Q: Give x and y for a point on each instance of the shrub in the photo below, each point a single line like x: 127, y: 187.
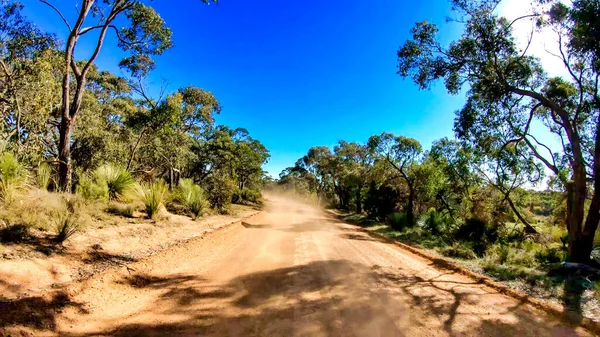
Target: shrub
x: 120, y: 210
x: 550, y: 255
x: 459, y: 250
x: 220, y: 190
x: 43, y: 174
x: 497, y: 253
x: 67, y: 221
x: 191, y: 196
x: 435, y: 222
x: 153, y: 196
x: 13, y: 177
x: 381, y: 201
x: 118, y: 181
x: 245, y: 195
x: 397, y: 221
x: 108, y: 182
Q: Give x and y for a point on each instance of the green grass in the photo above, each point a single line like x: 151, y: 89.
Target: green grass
x: 153, y: 196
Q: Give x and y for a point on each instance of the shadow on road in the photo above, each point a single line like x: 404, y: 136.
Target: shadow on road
x: 328, y: 298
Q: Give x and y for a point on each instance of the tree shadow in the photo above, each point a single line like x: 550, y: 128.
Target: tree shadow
x: 21, y: 235
x: 36, y: 312
x: 319, y: 298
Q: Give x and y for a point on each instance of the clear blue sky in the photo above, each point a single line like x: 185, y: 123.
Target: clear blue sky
x: 296, y: 74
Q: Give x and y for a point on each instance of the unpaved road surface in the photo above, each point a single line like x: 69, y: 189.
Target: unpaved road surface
x: 294, y: 272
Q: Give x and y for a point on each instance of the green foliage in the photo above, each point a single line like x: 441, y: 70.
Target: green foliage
x: 220, y: 190
x: 153, y: 196
x: 459, y: 250
x: 245, y: 195
x: 13, y: 177
x: 43, y: 175
x: 397, y: 221
x: 434, y: 222
x: 191, y: 196
x: 107, y: 182
x: 92, y: 188
x: 118, y: 181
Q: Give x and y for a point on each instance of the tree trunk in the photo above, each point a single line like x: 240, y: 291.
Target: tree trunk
x: 580, y: 245
x: 410, y: 216
x: 358, y: 201
x: 64, y: 155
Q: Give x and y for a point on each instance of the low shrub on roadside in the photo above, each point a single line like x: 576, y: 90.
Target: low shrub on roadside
x: 13, y: 177
x: 220, y: 189
x: 191, y: 197
x: 153, y: 196
x: 123, y: 210
x: 461, y: 250
x: 246, y: 195
x: 108, y: 182
x: 67, y: 221
x: 43, y: 176
x: 397, y: 221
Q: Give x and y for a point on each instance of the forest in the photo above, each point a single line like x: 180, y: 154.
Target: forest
x: 72, y: 132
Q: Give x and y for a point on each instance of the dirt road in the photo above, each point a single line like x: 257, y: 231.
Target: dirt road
x: 295, y: 272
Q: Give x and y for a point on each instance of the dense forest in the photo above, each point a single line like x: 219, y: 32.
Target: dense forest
x: 489, y: 179
x: 69, y: 127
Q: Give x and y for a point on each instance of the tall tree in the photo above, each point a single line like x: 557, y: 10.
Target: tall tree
x: 145, y: 35
x: 401, y: 153
x: 509, y: 90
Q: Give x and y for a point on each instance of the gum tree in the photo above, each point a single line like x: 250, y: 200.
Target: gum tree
x: 144, y: 34
x: 509, y: 91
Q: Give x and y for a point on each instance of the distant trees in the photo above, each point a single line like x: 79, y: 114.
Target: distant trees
x: 509, y: 91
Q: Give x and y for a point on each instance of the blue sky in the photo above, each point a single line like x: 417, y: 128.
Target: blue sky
x: 296, y: 74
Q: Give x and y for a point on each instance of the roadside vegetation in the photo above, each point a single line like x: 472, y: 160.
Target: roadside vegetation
x: 517, y: 191
x: 79, y: 143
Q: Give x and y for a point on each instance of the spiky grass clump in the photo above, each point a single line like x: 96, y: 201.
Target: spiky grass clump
x: 108, y: 182
x: 191, y: 196
x: 67, y: 221
x: 153, y: 196
x: 43, y: 175
x: 119, y: 182
x: 13, y: 177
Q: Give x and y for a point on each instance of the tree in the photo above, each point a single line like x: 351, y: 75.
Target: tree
x: 146, y: 35
x: 357, y: 162
x: 401, y: 153
x: 27, y: 83
x: 509, y: 90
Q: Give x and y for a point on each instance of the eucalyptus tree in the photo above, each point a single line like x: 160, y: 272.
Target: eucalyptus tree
x: 27, y: 82
x: 145, y: 34
x: 509, y: 90
x: 401, y: 154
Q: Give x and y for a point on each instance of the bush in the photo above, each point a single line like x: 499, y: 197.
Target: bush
x: 92, y: 188
x: 108, y: 182
x: 497, y: 253
x: 220, y: 190
x: 120, y: 210
x: 397, y: 221
x: 67, y: 221
x: 43, y: 175
x: 246, y: 196
x: 153, y: 196
x: 119, y: 182
x: 13, y: 177
x: 381, y: 201
x: 191, y: 196
x: 434, y: 222
x: 459, y: 250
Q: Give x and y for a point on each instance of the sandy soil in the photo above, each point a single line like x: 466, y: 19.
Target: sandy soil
x: 292, y: 271
x: 29, y: 269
